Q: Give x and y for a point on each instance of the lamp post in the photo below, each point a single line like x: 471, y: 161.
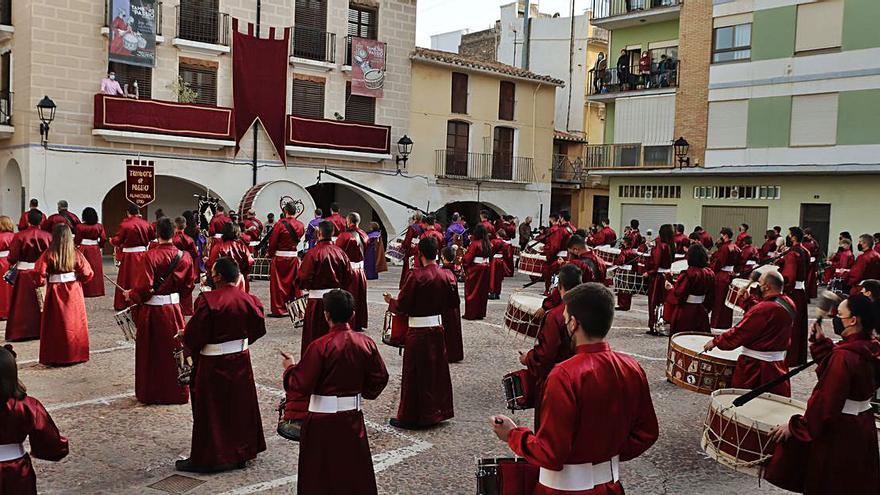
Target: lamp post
x: 680, y: 147
x: 46, y: 109
x: 404, y: 147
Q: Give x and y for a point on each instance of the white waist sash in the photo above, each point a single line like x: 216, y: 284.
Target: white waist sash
x: 218, y: 236
x: 62, y: 278
x: 25, y: 265
x: 499, y: 255
x: 254, y: 243
x: 318, y: 293
x: 164, y: 300
x: 799, y: 285
x: 331, y: 404
x: 357, y: 265
x: 812, y: 259
x: 562, y: 254
x: 479, y: 260
x: 856, y: 407
x: 751, y: 263
x: 285, y: 254
x: 424, y: 321
x: 692, y: 299
x: 136, y: 249
x: 4, y: 254
x: 728, y: 268
x: 767, y: 356
x: 11, y: 452
x: 230, y: 347
x: 578, y: 477
x: 88, y: 242
x: 664, y: 270
x: 626, y: 267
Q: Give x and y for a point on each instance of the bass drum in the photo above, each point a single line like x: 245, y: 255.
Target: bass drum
x: 270, y: 197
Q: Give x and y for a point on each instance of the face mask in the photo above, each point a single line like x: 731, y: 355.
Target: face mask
x: 788, y: 242
x: 112, y: 77
x: 838, y: 325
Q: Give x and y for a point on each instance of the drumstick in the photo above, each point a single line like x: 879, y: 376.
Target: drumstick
x: 112, y: 282
x: 748, y: 396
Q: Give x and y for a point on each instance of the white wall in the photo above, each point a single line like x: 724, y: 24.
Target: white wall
x: 10, y: 189
x: 448, y: 42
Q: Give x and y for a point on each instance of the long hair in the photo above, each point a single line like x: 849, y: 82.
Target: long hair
x: 192, y: 226
x: 480, y: 235
x: 6, y: 224
x: 10, y: 386
x: 665, y: 235
x: 62, y: 254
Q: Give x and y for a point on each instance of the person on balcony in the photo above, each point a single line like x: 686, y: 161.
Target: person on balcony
x: 623, y: 69
x: 666, y: 71
x: 645, y: 63
x: 599, y: 70
x: 110, y: 86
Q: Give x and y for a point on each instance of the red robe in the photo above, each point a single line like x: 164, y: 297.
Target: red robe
x: 283, y: 270
x: 452, y: 323
x: 556, y: 243
x: 353, y: 243
x: 134, y: 232
x: 767, y: 248
x: 227, y: 428
x: 92, y: 252
x: 832, y: 452
x: 605, y: 236
x: 155, y: 368
x: 497, y: 268
x: 766, y: 327
x: 476, y: 281
x: 342, y: 363
x: 339, y: 223
x: 706, y: 240
x: 426, y: 386
x: 867, y: 266
x: 218, y: 221
x: 635, y: 238
x: 413, y: 233
x: 691, y: 316
x: 64, y: 326
x: 627, y: 257
x: 27, y: 419
x: 656, y: 269
x: 5, y: 288
x: 552, y: 347
x: 24, y: 312
x: 23, y: 220
x: 57, y: 218
x: 843, y: 259
x: 794, y: 271
x: 682, y: 243
x: 748, y: 259
x: 238, y: 251
x: 598, y: 406
x: 727, y: 256
x: 186, y: 244
x: 812, y: 247
x: 741, y: 238
x: 253, y: 228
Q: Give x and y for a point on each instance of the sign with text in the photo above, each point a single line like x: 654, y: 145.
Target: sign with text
x: 367, y: 67
x: 140, y: 182
x: 133, y: 31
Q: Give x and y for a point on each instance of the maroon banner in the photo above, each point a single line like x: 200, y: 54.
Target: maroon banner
x: 140, y: 182
x: 339, y: 135
x: 163, y: 117
x: 259, y: 82
x: 367, y: 67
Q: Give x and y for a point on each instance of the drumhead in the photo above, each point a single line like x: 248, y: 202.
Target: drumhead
x: 766, y: 411
x: 739, y: 283
x: 767, y: 268
x: 267, y: 197
x: 609, y: 250
x: 679, y: 266
x: 533, y: 256
x: 694, y: 342
x: 529, y: 303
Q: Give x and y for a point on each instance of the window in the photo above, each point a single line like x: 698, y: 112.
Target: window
x: 459, y: 92
x: 363, y: 22
x: 737, y: 192
x: 819, y: 25
x: 5, y: 94
x: 502, y: 154
x: 310, y: 24
x: 128, y: 74
x: 359, y: 108
x: 732, y: 43
x: 814, y: 120
x: 728, y: 124
x: 308, y: 97
x: 457, y: 142
x: 649, y: 192
x: 506, y: 100
x: 201, y: 78
x: 199, y: 20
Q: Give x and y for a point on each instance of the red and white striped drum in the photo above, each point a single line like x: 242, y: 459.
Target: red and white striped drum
x: 607, y: 254
x: 394, y: 330
x: 627, y: 280
x: 270, y: 197
x: 520, y: 316
x: 739, y: 437
x: 531, y: 264
x: 691, y: 368
x: 733, y: 300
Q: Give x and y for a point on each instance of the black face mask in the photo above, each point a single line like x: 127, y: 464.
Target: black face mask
x: 838, y: 325
x: 788, y: 242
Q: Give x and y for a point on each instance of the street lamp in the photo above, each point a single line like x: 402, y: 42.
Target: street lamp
x: 680, y: 146
x: 46, y: 109
x: 404, y: 147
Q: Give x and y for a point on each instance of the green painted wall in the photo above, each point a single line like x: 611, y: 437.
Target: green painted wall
x: 609, y: 123
x: 773, y: 33
x: 769, y: 122
x: 857, y: 113
x: 641, y: 35
x: 860, y: 24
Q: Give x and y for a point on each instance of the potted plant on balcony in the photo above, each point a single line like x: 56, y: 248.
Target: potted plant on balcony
x: 185, y: 94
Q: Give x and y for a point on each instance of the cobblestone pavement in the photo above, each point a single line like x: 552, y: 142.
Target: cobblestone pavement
x: 120, y: 446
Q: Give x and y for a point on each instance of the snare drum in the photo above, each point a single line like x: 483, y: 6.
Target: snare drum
x: 608, y: 254
x: 519, y: 390
x: 678, y: 267
x: 125, y: 322
x: 531, y: 264
x: 626, y: 280
x: 535, y: 248
x: 506, y: 476
x: 520, y: 314
x: 260, y: 270
x: 296, y: 309
x: 739, y: 437
x: 838, y: 284
x: 690, y: 368
x: 733, y: 301
x: 395, y: 251
x: 394, y: 330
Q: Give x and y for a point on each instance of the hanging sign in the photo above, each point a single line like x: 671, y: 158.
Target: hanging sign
x: 140, y: 182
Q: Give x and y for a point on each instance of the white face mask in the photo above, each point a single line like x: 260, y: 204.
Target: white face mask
x: 112, y: 77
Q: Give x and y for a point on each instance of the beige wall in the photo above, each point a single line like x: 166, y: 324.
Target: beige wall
x: 430, y: 111
x: 694, y: 50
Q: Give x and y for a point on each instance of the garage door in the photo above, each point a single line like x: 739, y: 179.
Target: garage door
x: 649, y: 216
x: 716, y: 217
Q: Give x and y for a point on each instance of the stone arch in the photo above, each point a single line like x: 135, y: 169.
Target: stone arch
x: 469, y: 209
x: 11, y: 190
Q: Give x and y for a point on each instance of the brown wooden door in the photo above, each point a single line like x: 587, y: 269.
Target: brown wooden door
x: 817, y: 218
x: 457, y: 138
x: 502, y: 154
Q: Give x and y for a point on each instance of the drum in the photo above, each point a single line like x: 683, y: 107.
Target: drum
x: 739, y: 437
x: 125, y: 322
x: 260, y: 270
x: 838, y: 284
x: 531, y: 264
x: 506, y: 475
x: 184, y: 367
x: 689, y: 367
x: 394, y: 330
x: 661, y: 326
x: 733, y: 301
x: 608, y: 254
x: 272, y: 196
x: 296, y: 309
x: 678, y: 267
x: 626, y: 280
x: 535, y: 248
x: 519, y: 390
x: 395, y: 251
x: 520, y: 314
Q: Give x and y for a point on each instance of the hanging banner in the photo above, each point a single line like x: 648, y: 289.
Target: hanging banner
x: 133, y: 31
x: 367, y: 67
x: 140, y: 182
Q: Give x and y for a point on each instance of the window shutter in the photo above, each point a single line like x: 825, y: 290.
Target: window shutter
x: 507, y: 98
x: 359, y: 108
x: 308, y: 98
x: 502, y: 154
x: 459, y: 92
x: 128, y: 74
x: 362, y: 22
x: 202, y: 80
x: 311, y: 14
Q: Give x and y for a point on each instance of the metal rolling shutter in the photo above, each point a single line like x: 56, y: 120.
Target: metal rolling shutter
x: 649, y: 216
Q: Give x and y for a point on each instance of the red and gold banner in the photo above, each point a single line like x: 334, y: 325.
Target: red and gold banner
x: 140, y: 182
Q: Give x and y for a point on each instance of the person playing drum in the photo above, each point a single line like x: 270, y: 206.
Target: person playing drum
x: 659, y: 264
x: 598, y: 410
x: 724, y: 262
x: 452, y: 316
x: 692, y: 294
x: 832, y: 448
x: 626, y: 260
x: 591, y: 266
x: 764, y: 334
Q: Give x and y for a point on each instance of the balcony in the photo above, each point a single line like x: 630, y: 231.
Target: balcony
x: 201, y: 31
x: 108, y: 20
x: 6, y: 129
x: 337, y: 139
x: 6, y: 28
x: 163, y: 123
x: 494, y: 167
x: 313, y: 48
x: 622, y: 156
x: 568, y: 170
x: 611, y: 84
x: 616, y: 14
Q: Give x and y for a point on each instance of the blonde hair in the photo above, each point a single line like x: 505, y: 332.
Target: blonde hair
x: 6, y: 224
x: 62, y: 254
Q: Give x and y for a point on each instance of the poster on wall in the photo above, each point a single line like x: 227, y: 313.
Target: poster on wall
x: 367, y: 67
x: 140, y: 182
x: 133, y: 31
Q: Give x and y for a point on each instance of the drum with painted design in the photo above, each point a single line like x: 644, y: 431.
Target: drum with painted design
x: 733, y: 299
x: 394, y: 329
x: 691, y: 368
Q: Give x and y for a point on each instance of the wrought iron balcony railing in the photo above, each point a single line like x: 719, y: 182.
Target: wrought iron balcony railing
x: 634, y: 155
x: 611, y: 8
x: 203, y: 25
x: 614, y: 80
x: 500, y: 167
x: 313, y: 44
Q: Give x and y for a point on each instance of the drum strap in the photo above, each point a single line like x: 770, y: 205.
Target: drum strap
x: 160, y: 281
x: 290, y: 231
x: 788, y: 309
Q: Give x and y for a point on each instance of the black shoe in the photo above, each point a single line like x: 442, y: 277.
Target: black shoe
x: 290, y: 429
x: 404, y: 426
x: 652, y: 332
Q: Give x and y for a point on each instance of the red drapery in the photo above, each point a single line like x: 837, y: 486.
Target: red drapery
x: 339, y: 135
x: 162, y: 117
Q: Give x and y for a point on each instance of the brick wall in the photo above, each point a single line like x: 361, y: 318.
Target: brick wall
x: 694, y: 51
x: 480, y: 45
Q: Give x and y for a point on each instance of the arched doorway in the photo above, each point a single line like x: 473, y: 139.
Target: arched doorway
x: 349, y: 199
x: 11, y: 191
x: 470, y: 210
